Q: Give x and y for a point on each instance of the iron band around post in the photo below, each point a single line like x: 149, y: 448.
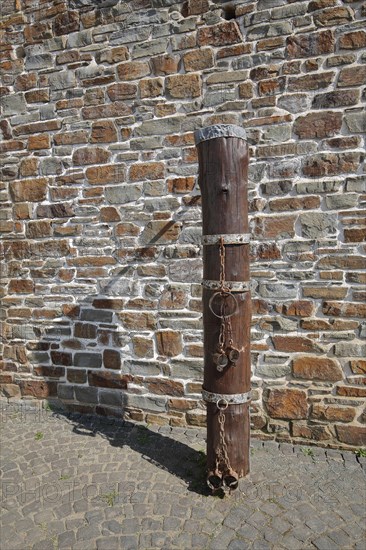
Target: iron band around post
x: 228, y: 238
x: 226, y: 399
x: 230, y: 286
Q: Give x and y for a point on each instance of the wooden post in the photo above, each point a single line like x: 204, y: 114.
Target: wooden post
x: 223, y: 179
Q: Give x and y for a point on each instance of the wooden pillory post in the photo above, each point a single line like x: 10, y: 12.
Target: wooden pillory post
x: 223, y: 179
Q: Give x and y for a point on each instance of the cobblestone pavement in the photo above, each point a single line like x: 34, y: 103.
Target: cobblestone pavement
x: 84, y: 483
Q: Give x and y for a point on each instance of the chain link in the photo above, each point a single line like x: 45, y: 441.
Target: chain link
x: 222, y: 451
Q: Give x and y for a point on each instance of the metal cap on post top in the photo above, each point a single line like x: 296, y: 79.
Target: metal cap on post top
x: 223, y: 180
x: 219, y: 131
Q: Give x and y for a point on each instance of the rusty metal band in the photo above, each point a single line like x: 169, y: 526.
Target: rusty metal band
x: 227, y: 238
x: 231, y: 286
x: 226, y: 398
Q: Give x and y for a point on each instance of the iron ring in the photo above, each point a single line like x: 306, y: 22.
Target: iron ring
x: 224, y: 294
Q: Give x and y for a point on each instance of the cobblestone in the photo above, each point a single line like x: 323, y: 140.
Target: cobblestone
x: 90, y: 483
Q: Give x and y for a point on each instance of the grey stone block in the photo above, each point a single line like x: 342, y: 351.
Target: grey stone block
x: 121, y: 194
x: 88, y: 360
x: 86, y: 395
x: 97, y: 315
x: 64, y: 391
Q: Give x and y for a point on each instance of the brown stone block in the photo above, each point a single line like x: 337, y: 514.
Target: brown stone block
x: 57, y: 210
x: 85, y: 261
x: 293, y: 343
x: 318, y: 433
x: 169, y: 343
x: 173, y: 298
x: 141, y: 303
x: 318, y: 125
x: 112, y: 359
x: 109, y: 110
x: 352, y: 76
x: 355, y: 235
x: 25, y: 82
x: 274, y: 227
x: 37, y: 127
x: 183, y: 85
x: 143, y: 347
x: 351, y: 435
x: 37, y: 96
x: 32, y: 190
x: 327, y: 293
x: 338, y: 15
x: 108, y: 379
x: 61, y: 358
x: 146, y: 171
x: 20, y: 286
x: 127, y: 229
x: 344, y: 309
x: 343, y: 262
x: 38, y: 388
x: 138, y: 320
x: 13, y: 145
x: 38, y: 229
x: 270, y: 43
x: 109, y: 214
x: 182, y: 404
x: 160, y: 232
x: 181, y: 185
x: 286, y: 403
x: 358, y: 366
x: 246, y: 90
x: 76, y: 376
x: 271, y: 87
x: 50, y: 371
x: 69, y: 138
x: 266, y: 251
x: 310, y: 44
x: 133, y: 70
x: 151, y: 87
x: 330, y: 164
x: 29, y: 167
x: 353, y: 40
x: 179, y: 140
x: 103, y: 131
x: 332, y: 413
x: 122, y: 91
x: 351, y: 391
x: 310, y: 82
x: 114, y: 55
x: 337, y: 98
x: 151, y: 270
x: 165, y: 64
x: 165, y: 386
x: 195, y: 7
x: 90, y: 155
x: 317, y: 368
x: 85, y: 330
x: 69, y: 104
x: 294, y: 203
x: 38, y: 142
x: 110, y: 173
x: 348, y: 142
x: 233, y: 51
x: 219, y: 35
x: 198, y: 60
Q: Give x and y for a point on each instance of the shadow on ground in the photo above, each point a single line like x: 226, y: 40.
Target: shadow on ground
x: 163, y: 451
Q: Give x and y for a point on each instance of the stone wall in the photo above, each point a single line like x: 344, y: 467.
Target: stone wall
x: 101, y: 212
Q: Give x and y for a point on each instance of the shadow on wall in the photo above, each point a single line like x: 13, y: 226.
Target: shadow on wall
x: 79, y: 358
